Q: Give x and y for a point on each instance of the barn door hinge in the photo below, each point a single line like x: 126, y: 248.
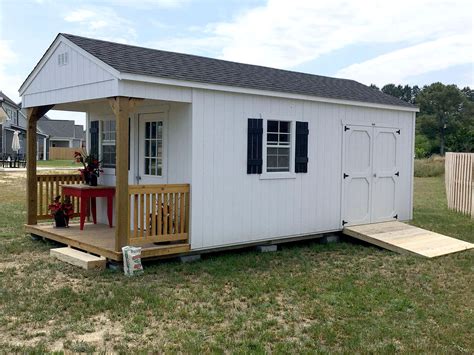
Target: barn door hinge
x: 396, y: 216
x: 397, y: 173
x: 398, y: 131
x: 346, y: 128
x: 345, y: 175
x: 344, y: 222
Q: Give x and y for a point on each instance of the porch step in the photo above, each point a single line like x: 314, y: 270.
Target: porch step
x: 79, y: 258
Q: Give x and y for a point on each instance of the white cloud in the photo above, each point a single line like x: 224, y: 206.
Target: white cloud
x: 150, y: 3
x: 9, y: 82
x: 398, y: 66
x: 101, y: 22
x: 287, y: 34
x: 80, y: 15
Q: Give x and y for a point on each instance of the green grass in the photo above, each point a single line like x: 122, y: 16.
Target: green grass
x: 58, y: 163
x: 429, y: 167
x: 308, y: 297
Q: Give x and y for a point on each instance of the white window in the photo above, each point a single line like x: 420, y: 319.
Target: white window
x: 278, y: 146
x: 108, y: 144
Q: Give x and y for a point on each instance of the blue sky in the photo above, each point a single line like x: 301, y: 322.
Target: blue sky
x: 402, y: 42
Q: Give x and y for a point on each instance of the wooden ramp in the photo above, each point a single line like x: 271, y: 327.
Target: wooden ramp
x: 403, y: 238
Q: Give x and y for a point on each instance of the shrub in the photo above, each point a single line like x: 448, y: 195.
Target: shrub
x: 432, y: 166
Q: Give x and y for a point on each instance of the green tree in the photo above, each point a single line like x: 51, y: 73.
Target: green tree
x: 405, y: 93
x: 442, y: 112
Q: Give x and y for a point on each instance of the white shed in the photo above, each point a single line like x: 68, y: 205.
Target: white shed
x: 207, y: 153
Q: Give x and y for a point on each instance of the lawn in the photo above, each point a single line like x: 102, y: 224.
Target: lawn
x: 58, y: 163
x: 343, y: 297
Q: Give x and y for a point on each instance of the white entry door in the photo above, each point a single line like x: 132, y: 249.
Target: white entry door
x: 152, y: 148
x: 370, y: 174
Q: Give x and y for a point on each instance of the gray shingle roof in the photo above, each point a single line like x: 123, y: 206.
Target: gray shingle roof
x: 4, y: 97
x: 163, y: 64
x: 57, y: 128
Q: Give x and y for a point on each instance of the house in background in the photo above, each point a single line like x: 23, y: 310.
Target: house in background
x: 62, y: 133
x: 208, y: 154
x: 13, y: 118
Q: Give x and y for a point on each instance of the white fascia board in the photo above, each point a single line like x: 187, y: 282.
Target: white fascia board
x: 61, y: 39
x: 241, y: 90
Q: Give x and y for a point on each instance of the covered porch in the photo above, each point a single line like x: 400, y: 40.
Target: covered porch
x: 99, y: 239
x: 152, y: 215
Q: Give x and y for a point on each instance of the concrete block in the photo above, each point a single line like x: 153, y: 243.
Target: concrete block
x: 115, y: 265
x: 331, y: 238
x: 190, y: 258
x: 35, y: 237
x: 266, y: 248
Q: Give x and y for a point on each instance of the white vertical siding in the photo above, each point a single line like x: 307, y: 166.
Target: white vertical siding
x: 231, y: 207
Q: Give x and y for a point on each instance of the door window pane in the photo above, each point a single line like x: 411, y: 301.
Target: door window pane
x: 153, y: 154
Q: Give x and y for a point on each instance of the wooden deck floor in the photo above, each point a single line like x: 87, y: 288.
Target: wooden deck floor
x: 99, y: 239
x: 403, y: 238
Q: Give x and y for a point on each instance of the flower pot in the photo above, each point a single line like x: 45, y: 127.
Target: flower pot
x: 93, y: 180
x: 60, y: 220
x: 87, y: 178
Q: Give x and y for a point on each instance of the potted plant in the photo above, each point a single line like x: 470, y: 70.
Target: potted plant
x: 61, y: 211
x: 91, y: 170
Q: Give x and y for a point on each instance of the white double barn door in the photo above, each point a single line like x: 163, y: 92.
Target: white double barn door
x: 370, y: 174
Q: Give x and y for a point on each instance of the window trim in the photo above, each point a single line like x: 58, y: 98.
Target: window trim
x: 268, y: 175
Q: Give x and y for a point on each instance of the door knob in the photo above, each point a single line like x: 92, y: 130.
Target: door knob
x: 375, y: 174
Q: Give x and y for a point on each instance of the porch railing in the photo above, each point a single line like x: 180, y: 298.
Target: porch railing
x: 48, y: 187
x: 159, y: 213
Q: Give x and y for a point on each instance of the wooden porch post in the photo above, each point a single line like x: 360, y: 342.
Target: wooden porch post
x: 122, y: 108
x: 33, y: 115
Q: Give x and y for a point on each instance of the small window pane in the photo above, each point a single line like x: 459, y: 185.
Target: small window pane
x: 284, y: 138
x: 153, y: 130
x: 153, y: 148
x: 147, y: 166
x: 147, y: 130
x: 272, y: 138
x: 160, y: 130
x: 284, y: 127
x: 147, y: 148
x: 272, y: 126
x: 153, y: 166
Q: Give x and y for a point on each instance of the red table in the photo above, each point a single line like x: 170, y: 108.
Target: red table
x: 86, y: 193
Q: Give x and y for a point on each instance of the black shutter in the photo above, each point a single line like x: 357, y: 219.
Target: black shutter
x: 301, y: 149
x: 254, y: 146
x: 94, y: 134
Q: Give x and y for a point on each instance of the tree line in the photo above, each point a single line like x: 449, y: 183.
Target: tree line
x: 445, y: 122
